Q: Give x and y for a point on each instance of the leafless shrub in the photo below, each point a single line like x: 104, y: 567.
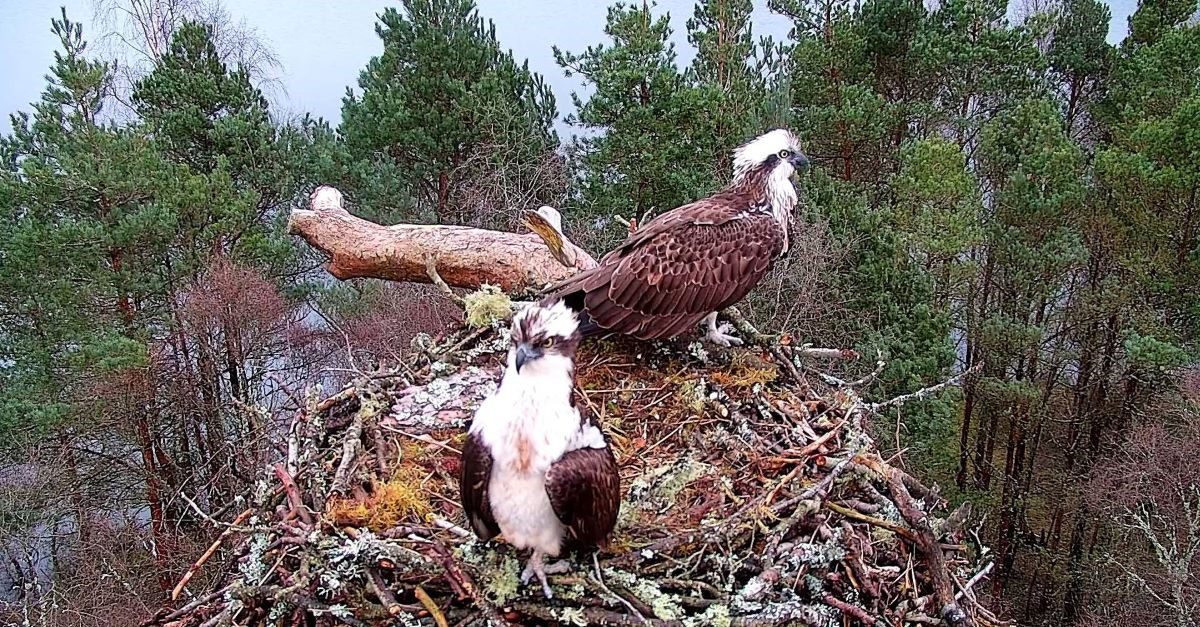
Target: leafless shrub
x: 137, y: 33
x: 796, y: 296
x: 382, y: 327
x: 1150, y: 492
x: 498, y: 181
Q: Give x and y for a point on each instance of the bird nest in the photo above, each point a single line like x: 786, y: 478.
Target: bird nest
x: 752, y: 495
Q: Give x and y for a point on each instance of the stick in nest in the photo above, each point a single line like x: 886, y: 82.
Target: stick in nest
x: 191, y: 572
x: 923, y: 392
x: 293, y: 494
x: 931, y: 552
x: 350, y: 446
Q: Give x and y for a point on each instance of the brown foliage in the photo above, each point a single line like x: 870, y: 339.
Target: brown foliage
x: 796, y: 296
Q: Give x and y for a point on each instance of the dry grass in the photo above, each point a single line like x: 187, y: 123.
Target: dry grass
x: 396, y: 501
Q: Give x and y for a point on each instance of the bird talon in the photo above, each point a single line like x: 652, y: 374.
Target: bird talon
x: 723, y: 339
x: 535, y: 567
x: 561, y: 567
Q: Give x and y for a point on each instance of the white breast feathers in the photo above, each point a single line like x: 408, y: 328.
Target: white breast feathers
x: 527, y: 426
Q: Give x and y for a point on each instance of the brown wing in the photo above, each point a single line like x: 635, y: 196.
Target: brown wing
x: 679, y: 267
x: 474, y: 480
x: 584, y: 487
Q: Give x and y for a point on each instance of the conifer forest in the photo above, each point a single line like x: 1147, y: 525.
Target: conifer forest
x: 999, y: 200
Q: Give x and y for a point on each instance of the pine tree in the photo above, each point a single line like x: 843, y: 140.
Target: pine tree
x: 730, y: 67
x: 648, y: 132
x: 92, y: 218
x: 209, y: 118
x: 442, y: 94
x: 1155, y: 18
x: 1080, y: 57
x: 980, y: 64
x: 1036, y: 172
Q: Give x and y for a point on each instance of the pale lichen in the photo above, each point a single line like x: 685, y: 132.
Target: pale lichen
x: 499, y: 575
x: 504, y: 582
x: 486, y: 306
x: 665, y: 606
x: 713, y: 616
x: 254, y: 567
x: 657, y: 489
x: 571, y: 616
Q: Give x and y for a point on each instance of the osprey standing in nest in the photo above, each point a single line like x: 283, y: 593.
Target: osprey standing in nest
x: 533, y: 467
x: 689, y: 263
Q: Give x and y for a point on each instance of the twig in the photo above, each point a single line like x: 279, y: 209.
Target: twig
x: 293, y: 494
x: 923, y: 392
x: 906, y: 533
x: 438, y: 281
x: 823, y: 486
x: 812, y: 447
x: 880, y: 366
x: 851, y: 610
x: 293, y: 441
x: 767, y: 342
x: 209, y: 553
x: 384, y: 595
x: 423, y: 437
x: 808, y: 350
x: 432, y: 607
x: 381, y: 464
x: 350, y: 445
x: 186, y: 609
x: 599, y: 580
x: 457, y: 346
x: 199, y: 512
x: 974, y: 580
x: 930, y: 550
x: 452, y: 528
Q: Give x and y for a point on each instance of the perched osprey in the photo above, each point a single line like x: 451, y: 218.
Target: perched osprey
x: 533, y: 467
x: 691, y: 262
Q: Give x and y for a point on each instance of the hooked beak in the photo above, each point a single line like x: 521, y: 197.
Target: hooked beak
x: 525, y: 354
x: 798, y: 161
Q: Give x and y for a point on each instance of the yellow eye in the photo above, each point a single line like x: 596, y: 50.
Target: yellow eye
x: 785, y: 153
x: 549, y: 342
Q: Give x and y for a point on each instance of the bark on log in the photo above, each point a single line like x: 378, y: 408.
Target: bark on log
x: 464, y: 257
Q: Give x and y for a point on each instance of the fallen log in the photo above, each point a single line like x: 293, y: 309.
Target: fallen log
x: 464, y: 257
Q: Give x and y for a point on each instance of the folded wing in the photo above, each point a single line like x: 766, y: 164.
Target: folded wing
x: 584, y: 487
x: 677, y: 268
x: 474, y: 480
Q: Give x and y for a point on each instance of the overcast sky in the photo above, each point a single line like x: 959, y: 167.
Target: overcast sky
x: 324, y: 45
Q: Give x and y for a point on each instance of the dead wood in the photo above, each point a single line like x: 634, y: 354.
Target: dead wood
x: 464, y: 257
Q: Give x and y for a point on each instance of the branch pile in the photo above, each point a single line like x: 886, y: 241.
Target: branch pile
x: 751, y: 498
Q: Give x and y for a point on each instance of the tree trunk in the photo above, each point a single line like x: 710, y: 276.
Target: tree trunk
x: 464, y: 257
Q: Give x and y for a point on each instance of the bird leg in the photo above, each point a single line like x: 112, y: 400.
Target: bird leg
x: 537, y: 567
x: 720, y: 334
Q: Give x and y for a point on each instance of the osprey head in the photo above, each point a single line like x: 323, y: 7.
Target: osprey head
x: 544, y: 338
x: 778, y: 152
x: 764, y: 167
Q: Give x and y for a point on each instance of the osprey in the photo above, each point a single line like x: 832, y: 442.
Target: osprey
x: 693, y: 261
x: 533, y: 467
